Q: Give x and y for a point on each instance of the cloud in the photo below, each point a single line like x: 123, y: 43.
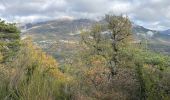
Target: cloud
x: 2, y: 7
x: 30, y: 19
x: 90, y: 6
x: 152, y: 14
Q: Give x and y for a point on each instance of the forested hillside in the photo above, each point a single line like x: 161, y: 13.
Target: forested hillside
x: 26, y: 72
x: 106, y: 64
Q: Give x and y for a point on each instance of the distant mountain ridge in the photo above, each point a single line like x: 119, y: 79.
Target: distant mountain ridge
x: 77, y: 24
x: 68, y: 31
x: 166, y: 32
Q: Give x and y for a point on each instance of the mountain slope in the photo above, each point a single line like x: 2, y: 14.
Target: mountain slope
x: 61, y: 36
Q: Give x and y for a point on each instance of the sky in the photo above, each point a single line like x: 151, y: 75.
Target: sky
x: 152, y: 14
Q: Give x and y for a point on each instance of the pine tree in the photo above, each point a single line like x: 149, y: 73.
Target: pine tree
x: 9, y: 39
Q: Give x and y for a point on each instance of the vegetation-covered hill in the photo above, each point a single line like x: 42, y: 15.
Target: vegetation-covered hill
x: 26, y: 72
x: 98, y: 65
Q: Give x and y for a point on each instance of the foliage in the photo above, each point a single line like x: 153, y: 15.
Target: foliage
x: 33, y: 76
x: 139, y: 74
x: 109, y: 43
x: 9, y: 39
x: 107, y: 66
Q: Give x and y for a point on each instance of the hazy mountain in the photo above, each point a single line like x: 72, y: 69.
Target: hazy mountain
x: 66, y: 27
x: 62, y: 35
x: 165, y: 35
x: 166, y: 32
